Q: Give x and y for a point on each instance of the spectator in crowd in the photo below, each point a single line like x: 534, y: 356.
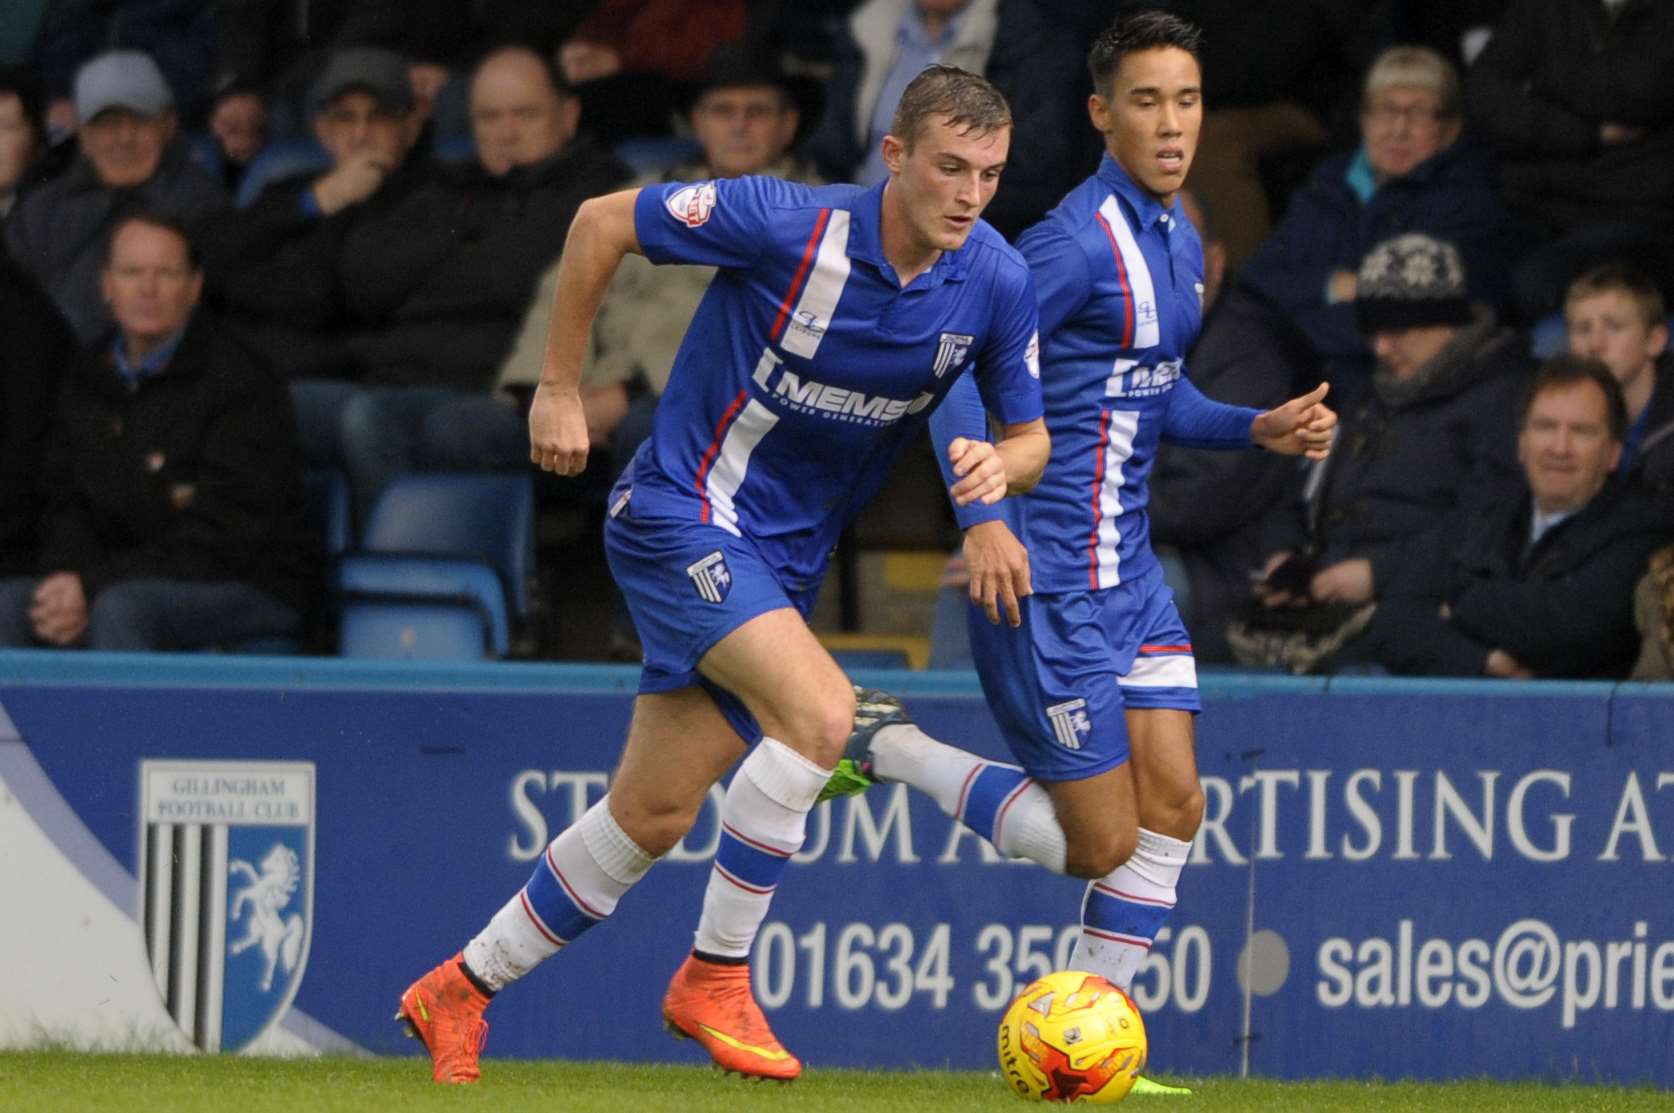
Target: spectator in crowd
x: 1538, y: 585
x: 1653, y: 617
x: 130, y: 157
x: 274, y: 269
x: 1614, y: 314
x: 630, y: 61
x: 238, y: 127
x: 445, y: 276
x: 1577, y: 98
x: 55, y: 37
x: 744, y: 120
x: 1034, y: 61
x: 175, y: 514
x: 1411, y: 173
x: 35, y: 343
x: 22, y: 137
x: 1277, y: 75
x: 1208, y: 509
x: 1433, y: 432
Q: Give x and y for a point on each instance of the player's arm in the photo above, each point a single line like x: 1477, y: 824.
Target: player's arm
x: 985, y: 472
x: 600, y: 235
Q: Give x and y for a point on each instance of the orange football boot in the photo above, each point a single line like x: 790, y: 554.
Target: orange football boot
x: 444, y: 1010
x: 712, y: 1004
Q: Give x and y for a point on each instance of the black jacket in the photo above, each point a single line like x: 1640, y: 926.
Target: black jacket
x: 1407, y: 456
x: 35, y: 344
x: 273, y: 270
x: 1564, y: 608
x: 1652, y: 466
x: 446, y: 276
x: 1554, y: 71
x: 193, y: 475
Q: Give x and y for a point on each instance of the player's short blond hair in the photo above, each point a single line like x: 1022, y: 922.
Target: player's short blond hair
x: 968, y: 101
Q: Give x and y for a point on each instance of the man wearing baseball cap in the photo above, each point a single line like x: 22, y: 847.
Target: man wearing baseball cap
x: 274, y: 267
x: 130, y: 157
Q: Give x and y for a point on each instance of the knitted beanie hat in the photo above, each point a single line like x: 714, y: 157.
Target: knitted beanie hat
x: 1411, y: 281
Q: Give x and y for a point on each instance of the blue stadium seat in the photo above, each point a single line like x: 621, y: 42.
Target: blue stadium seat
x: 280, y: 159
x: 375, y: 576
x: 461, y: 541
x: 851, y: 659
x: 417, y: 630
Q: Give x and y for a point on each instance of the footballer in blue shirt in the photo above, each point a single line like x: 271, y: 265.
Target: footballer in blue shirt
x: 838, y: 319
x: 1091, y: 677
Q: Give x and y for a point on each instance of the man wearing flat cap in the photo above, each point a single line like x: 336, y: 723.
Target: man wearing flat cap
x: 131, y: 157
x: 274, y: 268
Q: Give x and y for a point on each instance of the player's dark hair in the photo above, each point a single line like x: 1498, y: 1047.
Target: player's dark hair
x: 153, y: 220
x: 1133, y: 32
x: 1567, y: 370
x: 970, y: 103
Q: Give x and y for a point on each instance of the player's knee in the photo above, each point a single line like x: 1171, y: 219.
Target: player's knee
x: 655, y: 824
x: 1100, y: 857
x: 819, y: 729
x: 1176, y: 813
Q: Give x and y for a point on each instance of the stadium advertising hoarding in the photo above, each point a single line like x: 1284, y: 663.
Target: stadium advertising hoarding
x: 1436, y: 880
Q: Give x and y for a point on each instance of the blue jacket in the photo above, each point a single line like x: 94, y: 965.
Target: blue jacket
x: 1452, y: 197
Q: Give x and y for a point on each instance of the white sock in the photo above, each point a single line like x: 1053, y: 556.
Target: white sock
x: 576, y: 884
x: 1123, y: 911
x: 763, y: 820
x: 998, y: 802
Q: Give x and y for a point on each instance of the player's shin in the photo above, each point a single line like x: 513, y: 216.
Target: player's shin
x: 999, y: 802
x: 575, y: 884
x: 763, y: 820
x: 1123, y: 911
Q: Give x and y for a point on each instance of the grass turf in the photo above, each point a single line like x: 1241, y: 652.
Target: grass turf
x: 53, y: 1081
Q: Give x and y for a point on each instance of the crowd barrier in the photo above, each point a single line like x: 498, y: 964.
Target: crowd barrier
x: 1395, y: 879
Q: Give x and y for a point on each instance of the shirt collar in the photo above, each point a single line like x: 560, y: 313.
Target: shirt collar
x: 1359, y: 176
x: 866, y: 242
x: 1147, y: 208
x: 135, y: 373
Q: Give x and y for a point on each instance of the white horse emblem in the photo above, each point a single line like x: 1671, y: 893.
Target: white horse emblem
x: 267, y: 894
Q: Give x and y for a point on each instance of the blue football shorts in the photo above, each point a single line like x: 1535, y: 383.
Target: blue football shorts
x: 1059, y: 684
x: 688, y: 585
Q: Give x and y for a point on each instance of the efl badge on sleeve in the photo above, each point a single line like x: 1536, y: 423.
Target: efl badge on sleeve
x: 691, y: 205
x: 227, y: 891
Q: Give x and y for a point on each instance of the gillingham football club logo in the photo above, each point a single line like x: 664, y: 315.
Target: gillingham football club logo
x: 1070, y: 723
x: 711, y: 577
x: 227, y: 892
x: 951, y: 350
x: 691, y: 205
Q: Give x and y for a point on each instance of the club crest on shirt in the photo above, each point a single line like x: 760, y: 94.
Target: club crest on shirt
x: 951, y: 350
x: 1070, y: 723
x: 711, y: 577
x: 691, y: 205
x: 1146, y: 312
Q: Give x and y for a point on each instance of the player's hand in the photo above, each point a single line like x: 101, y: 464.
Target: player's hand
x: 1347, y: 581
x: 58, y: 610
x: 999, y: 569
x: 981, y: 470
x: 558, y: 438
x: 1301, y: 427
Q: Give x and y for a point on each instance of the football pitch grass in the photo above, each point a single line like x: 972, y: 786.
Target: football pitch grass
x: 55, y: 1081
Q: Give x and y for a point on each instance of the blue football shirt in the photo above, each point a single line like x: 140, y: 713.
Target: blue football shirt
x: 1119, y: 280
x: 808, y: 366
